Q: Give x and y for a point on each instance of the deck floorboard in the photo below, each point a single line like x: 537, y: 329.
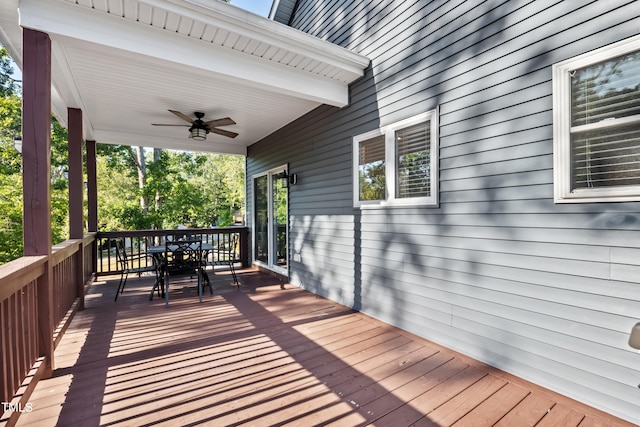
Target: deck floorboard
x: 269, y: 353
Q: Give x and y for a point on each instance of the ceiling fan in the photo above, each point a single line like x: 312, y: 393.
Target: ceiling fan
x: 199, y: 129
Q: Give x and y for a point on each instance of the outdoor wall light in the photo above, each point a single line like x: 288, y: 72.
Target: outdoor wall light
x: 287, y: 179
x: 634, y: 338
x: 17, y: 144
x: 198, y: 133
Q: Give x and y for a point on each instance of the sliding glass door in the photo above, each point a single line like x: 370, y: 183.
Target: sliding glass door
x: 271, y: 216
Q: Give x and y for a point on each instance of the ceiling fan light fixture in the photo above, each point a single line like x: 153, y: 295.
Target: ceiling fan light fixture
x: 198, y: 133
x: 199, y: 128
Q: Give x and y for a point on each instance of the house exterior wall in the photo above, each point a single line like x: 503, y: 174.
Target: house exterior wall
x: 497, y: 271
x: 284, y: 11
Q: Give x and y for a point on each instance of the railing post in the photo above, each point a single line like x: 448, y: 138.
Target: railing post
x: 79, y: 274
x: 244, y: 247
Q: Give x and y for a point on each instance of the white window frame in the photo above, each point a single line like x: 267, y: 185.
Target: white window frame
x: 563, y: 192
x: 391, y: 198
x: 356, y: 168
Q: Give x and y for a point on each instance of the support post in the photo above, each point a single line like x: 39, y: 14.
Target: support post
x: 92, y: 188
x: 36, y: 176
x: 76, y: 190
x: 76, y: 193
x: 92, y: 198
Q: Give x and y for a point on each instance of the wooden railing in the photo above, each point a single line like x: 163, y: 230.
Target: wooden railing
x: 37, y: 295
x: 137, y: 242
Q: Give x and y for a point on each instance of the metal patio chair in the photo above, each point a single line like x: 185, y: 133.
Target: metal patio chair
x: 225, y: 254
x: 182, y: 258
x: 132, y: 264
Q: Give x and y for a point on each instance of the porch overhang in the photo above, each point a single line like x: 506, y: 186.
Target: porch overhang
x: 125, y: 63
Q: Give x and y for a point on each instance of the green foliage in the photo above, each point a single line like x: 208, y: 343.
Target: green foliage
x: 10, y: 116
x: 118, y: 158
x: 8, y: 86
x: 280, y: 201
x: 183, y: 189
x: 11, y: 246
x: 10, y: 123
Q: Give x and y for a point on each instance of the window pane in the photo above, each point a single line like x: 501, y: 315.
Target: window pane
x: 607, y: 90
x: 371, y: 169
x: 606, y: 157
x: 413, y: 160
x: 261, y: 201
x: 279, y: 218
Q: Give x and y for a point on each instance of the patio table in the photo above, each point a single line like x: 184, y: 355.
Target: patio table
x: 158, y: 252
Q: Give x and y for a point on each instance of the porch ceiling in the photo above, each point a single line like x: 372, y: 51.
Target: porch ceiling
x: 126, y: 62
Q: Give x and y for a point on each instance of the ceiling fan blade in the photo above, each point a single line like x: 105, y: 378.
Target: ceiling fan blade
x: 163, y: 124
x: 220, y: 122
x: 224, y: 132
x: 182, y: 116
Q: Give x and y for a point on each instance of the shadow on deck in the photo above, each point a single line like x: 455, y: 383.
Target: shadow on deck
x: 268, y: 353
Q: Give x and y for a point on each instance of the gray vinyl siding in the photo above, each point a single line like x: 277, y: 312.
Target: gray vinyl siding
x: 284, y: 12
x: 498, y: 271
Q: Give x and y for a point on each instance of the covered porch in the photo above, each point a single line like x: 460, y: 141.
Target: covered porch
x: 269, y: 353
x: 265, y: 354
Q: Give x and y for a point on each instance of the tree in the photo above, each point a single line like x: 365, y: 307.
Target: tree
x: 11, y: 245
x: 8, y: 85
x: 10, y: 116
x: 189, y: 189
x: 118, y: 193
x: 223, y: 184
x: 10, y: 124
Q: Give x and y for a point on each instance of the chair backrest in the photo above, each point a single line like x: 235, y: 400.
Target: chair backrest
x: 121, y: 254
x: 183, y: 255
x: 226, y: 248
x: 233, y: 244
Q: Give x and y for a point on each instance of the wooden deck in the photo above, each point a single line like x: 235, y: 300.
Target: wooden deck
x: 271, y: 354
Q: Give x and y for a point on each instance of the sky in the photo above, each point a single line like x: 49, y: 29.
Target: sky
x: 259, y: 7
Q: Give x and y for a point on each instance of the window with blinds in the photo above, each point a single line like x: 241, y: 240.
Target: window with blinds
x: 413, y: 161
x: 397, y: 165
x: 371, y: 169
x: 605, y: 123
x: 596, y: 125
